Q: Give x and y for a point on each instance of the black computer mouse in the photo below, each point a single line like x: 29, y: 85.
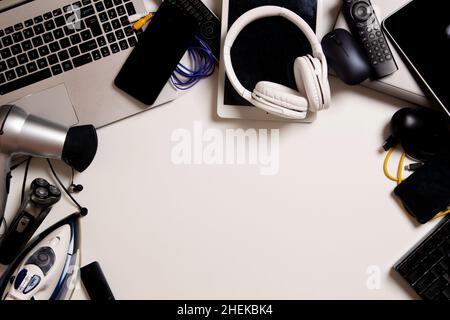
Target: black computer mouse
x: 423, y: 133
x: 346, y: 57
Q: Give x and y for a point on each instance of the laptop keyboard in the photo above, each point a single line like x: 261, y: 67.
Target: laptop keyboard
x: 427, y: 267
x: 62, y: 40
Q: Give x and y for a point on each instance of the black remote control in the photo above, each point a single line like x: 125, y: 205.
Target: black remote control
x: 208, y: 23
x: 32, y: 212
x: 365, y: 26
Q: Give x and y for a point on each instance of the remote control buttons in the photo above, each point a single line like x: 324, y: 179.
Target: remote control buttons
x: 209, y: 30
x: 362, y: 11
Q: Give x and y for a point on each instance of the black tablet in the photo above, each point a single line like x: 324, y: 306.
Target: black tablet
x: 421, y: 32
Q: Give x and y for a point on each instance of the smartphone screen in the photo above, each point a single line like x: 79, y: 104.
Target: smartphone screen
x: 159, y: 50
x: 427, y: 192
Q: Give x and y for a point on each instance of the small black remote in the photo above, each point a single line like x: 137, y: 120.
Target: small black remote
x: 208, y: 23
x: 365, y: 26
x: 32, y: 212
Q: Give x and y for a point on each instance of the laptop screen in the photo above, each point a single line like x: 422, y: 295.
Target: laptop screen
x: 8, y: 4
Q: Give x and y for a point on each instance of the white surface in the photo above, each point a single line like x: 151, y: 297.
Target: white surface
x: 162, y: 231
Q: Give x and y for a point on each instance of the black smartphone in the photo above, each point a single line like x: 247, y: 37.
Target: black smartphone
x: 156, y: 55
x: 426, y: 193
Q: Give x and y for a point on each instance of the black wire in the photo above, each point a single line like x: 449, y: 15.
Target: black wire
x: 83, y: 211
x: 25, y: 175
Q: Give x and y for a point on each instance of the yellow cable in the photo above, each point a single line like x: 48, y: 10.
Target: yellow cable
x: 142, y: 22
x: 399, y: 178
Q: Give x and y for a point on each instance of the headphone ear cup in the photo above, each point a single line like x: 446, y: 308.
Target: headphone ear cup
x: 306, y: 71
x: 281, y: 96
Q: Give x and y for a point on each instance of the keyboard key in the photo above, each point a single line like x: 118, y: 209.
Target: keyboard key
x: 88, y: 46
x: 63, y: 55
x: 2, y: 33
x: 64, y: 43
x: 28, y: 33
x: 121, y: 10
x: 18, y: 27
x: 60, y: 21
x: 10, y: 75
x: 48, y: 37
x: 107, y: 27
x: 86, y: 35
x: 117, y: 2
x: 58, y: 33
x: 29, y: 23
x: 130, y: 8
x: 16, y: 49
x: 112, y: 14
x: 37, y: 41
x: 103, y: 17
x: 21, y: 71
x: 67, y: 65
x: 3, y: 66
x: 42, y: 63
x: 7, y: 41
x: 47, y: 15
x: 116, y: 24
x: 86, y: 11
x: 57, y: 12
x: 5, y: 53
x: 129, y: 31
x: 52, y: 59
x: 86, y: 2
x: 96, y: 55
x: 74, y: 51
x: 25, y: 81
x: 2, y: 78
x: 120, y: 35
x: 115, y: 48
x: 75, y: 39
x: 32, y: 67
x: 56, y: 69
x: 123, y: 45
x: 26, y: 45
x: 69, y: 29
x: 49, y: 25
x: 124, y: 21
x: 38, y: 19
x: 54, y: 46
x: 11, y: 62
x: 22, y: 58
x: 9, y: 30
x: 99, y: 6
x: 82, y: 60
x: 105, y: 51
x: 33, y: 54
x: 17, y: 37
x: 108, y: 4
x: 111, y: 37
x: 101, y: 41
x: 39, y: 29
x: 93, y: 24
x: 132, y: 41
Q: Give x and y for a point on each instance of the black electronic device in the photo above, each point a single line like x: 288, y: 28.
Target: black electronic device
x: 426, y: 193
x: 32, y: 212
x: 422, y: 133
x: 346, y: 57
x: 421, y: 33
x: 426, y: 268
x: 207, y: 21
x: 363, y: 22
x: 159, y: 50
x: 95, y: 282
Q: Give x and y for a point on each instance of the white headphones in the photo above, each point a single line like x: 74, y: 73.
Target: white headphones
x: 311, y: 72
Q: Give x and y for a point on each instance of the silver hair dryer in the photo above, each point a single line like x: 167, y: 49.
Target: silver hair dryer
x: 24, y: 134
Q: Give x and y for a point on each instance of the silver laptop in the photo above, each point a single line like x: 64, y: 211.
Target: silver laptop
x: 68, y: 53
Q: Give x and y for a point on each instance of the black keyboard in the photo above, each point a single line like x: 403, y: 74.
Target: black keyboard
x: 62, y: 40
x: 427, y: 267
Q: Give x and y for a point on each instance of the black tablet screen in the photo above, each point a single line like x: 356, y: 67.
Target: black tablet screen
x: 421, y: 30
x: 267, y: 48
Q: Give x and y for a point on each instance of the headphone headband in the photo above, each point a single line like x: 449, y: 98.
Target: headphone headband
x: 260, y: 13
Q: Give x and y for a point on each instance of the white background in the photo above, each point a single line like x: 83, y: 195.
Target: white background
x: 162, y: 231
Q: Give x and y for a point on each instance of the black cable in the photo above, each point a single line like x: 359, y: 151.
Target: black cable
x: 25, y: 175
x: 83, y: 210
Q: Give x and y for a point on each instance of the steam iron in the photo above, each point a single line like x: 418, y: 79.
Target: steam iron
x: 47, y: 269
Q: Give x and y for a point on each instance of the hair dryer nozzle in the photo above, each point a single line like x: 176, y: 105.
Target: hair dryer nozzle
x: 80, y: 147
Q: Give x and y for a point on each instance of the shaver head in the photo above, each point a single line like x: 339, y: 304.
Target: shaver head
x: 43, y: 193
x: 80, y: 147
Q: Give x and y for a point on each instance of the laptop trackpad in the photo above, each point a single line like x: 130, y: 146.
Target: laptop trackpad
x: 53, y: 104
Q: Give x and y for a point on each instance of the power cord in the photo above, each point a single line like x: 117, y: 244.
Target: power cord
x: 399, y: 179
